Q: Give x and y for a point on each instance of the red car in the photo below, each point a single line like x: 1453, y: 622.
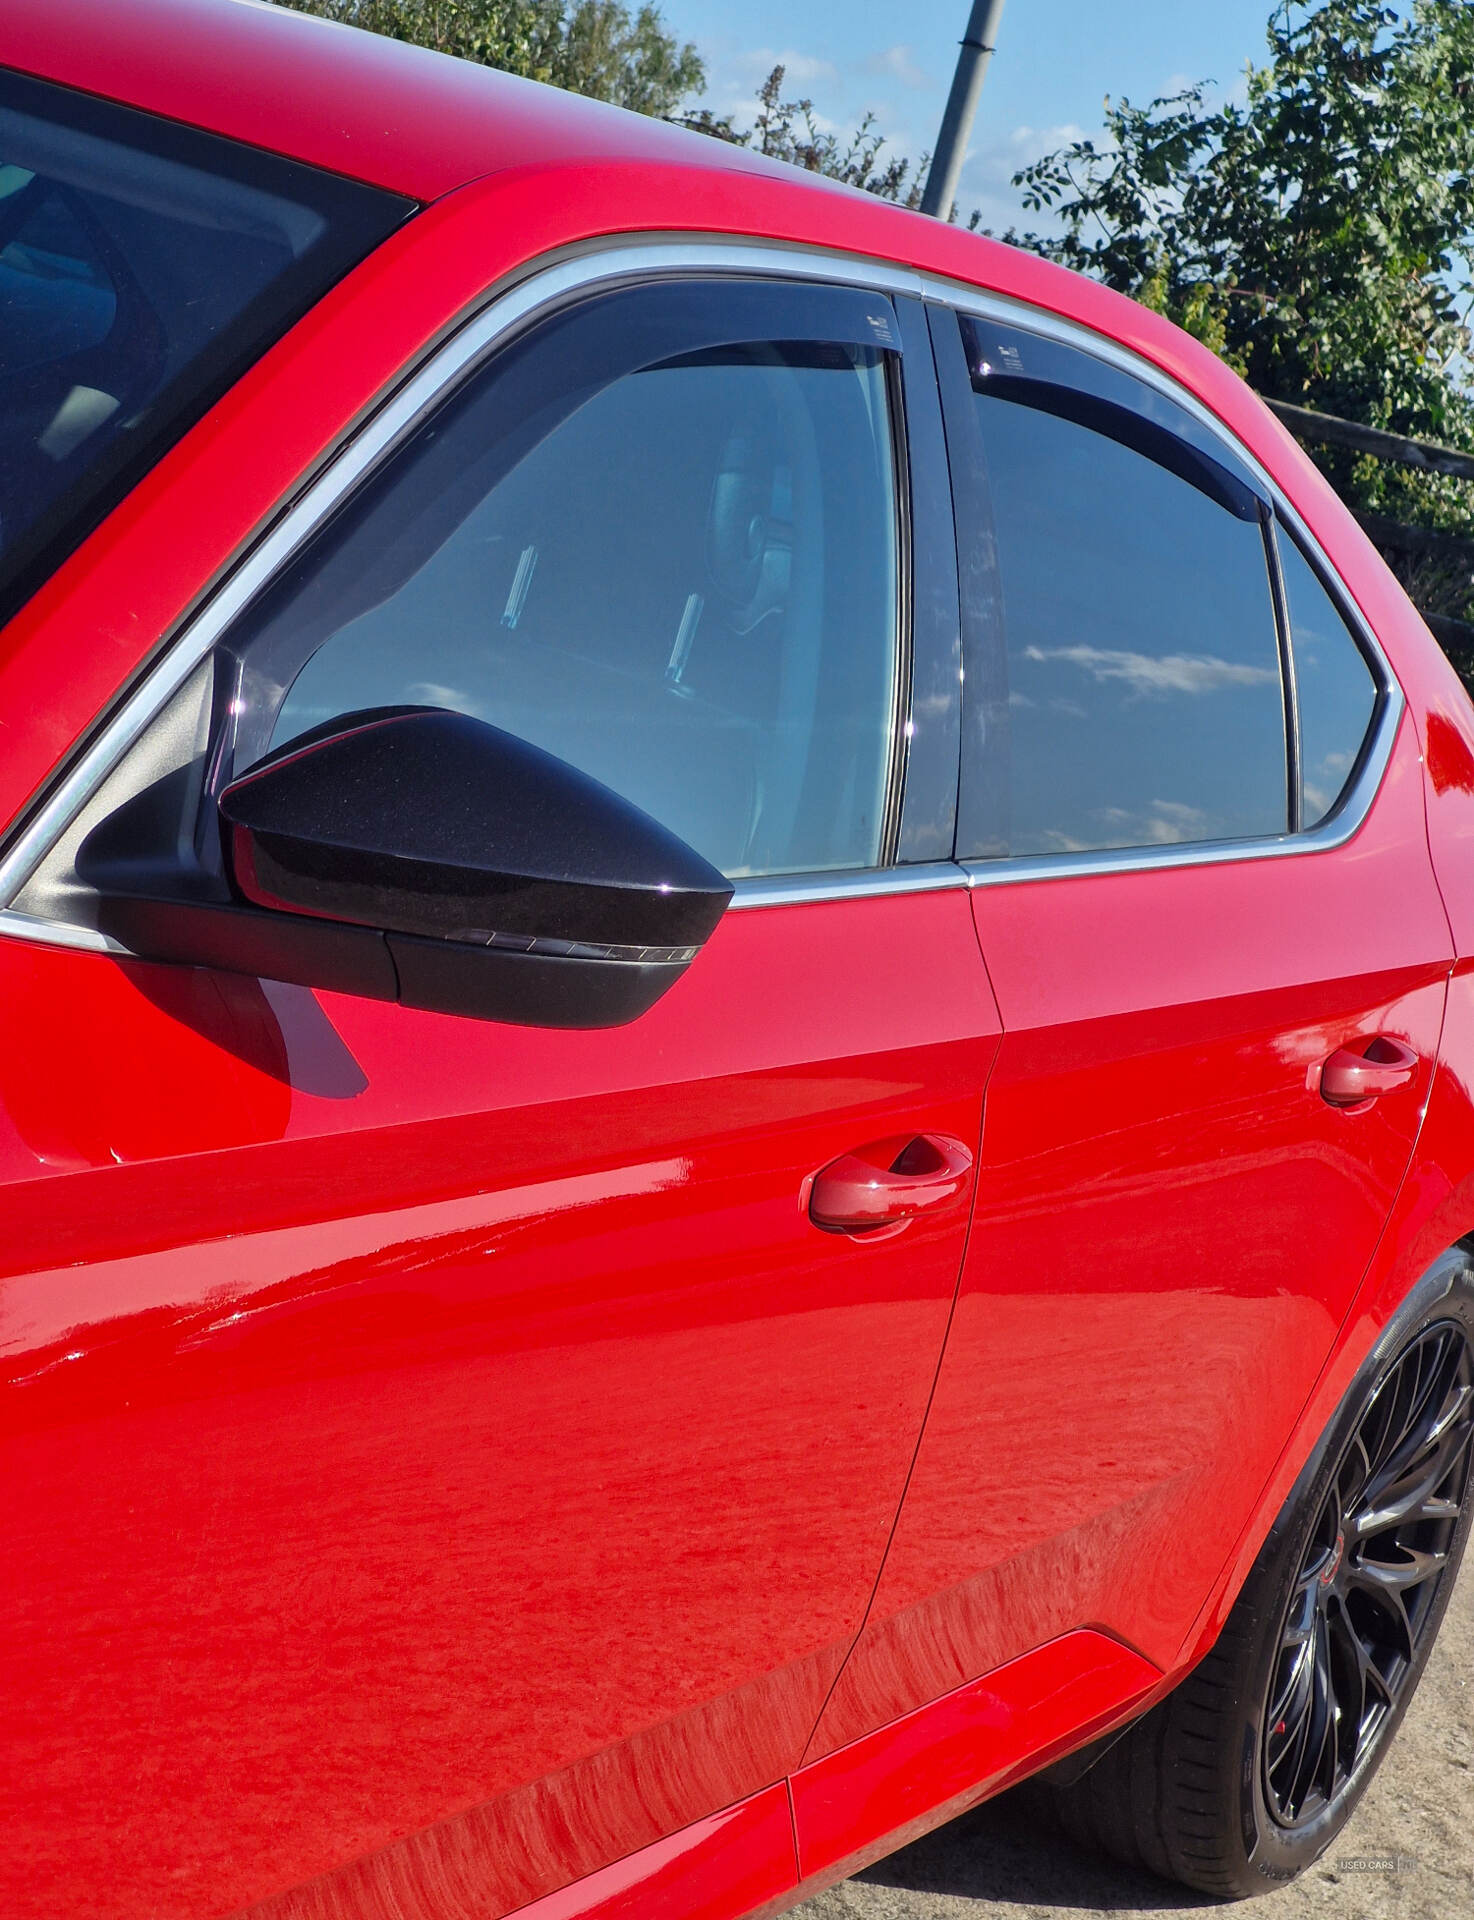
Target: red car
x: 650, y: 1239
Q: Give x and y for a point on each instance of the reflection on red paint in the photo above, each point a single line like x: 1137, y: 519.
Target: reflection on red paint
x: 951, y: 1752
x: 1450, y: 758
x: 726, y: 1866
x: 490, y: 1464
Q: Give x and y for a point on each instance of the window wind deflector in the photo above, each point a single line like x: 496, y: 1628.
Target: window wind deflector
x: 1127, y: 429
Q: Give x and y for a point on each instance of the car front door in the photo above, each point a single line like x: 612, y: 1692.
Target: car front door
x: 451, y: 1447
x: 1192, y: 811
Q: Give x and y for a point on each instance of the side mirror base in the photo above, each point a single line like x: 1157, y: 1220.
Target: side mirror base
x: 436, y: 976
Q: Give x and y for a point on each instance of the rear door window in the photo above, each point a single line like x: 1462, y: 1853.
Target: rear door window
x: 1130, y: 689
x: 143, y: 266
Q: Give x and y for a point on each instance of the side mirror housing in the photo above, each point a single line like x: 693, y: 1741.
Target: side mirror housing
x: 424, y: 856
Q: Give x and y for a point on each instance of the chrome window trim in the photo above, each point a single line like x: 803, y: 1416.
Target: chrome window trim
x: 776, y: 890
x: 534, y: 293
x: 793, y: 889
x: 57, y: 933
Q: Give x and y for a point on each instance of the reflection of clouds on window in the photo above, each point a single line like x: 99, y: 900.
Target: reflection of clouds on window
x: 1163, y: 824
x: 1138, y: 627
x: 1147, y: 675
x: 931, y: 706
x: 1323, y: 783
x: 430, y: 693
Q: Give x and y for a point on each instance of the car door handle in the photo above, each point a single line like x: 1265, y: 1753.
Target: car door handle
x: 888, y: 1182
x: 1354, y: 1080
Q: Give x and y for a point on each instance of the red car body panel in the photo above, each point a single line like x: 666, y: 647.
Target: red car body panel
x: 487, y: 1406
x: 281, y: 1275
x: 1150, y: 1152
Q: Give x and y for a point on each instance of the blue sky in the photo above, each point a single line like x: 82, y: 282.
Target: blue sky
x: 1056, y: 61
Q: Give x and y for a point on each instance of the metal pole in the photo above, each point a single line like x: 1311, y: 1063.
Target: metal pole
x: 962, y: 103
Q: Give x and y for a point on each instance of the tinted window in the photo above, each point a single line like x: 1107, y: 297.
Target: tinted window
x: 1133, y: 696
x: 1336, y: 691
x: 681, y: 579
x: 142, y: 266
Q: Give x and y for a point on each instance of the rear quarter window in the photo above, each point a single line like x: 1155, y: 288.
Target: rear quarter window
x: 143, y: 267
x: 1337, y: 692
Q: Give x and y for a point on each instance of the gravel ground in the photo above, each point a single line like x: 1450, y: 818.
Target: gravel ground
x: 1407, y: 1855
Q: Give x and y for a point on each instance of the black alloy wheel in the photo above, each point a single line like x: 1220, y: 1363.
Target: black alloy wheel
x: 1365, y: 1591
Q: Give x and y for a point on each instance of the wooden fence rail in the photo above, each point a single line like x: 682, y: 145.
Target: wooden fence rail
x: 1326, y: 430
x: 1393, y: 536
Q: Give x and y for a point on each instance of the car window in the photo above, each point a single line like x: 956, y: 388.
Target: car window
x: 1336, y: 692
x: 1134, y: 694
x: 677, y: 573
x: 142, y: 266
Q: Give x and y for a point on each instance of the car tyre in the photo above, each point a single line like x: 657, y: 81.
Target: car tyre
x: 1243, y: 1776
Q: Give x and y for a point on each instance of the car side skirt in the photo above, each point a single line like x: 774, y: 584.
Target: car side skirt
x: 826, y: 1821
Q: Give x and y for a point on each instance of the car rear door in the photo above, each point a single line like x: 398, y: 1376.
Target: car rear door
x: 449, y: 1455
x: 1192, y: 812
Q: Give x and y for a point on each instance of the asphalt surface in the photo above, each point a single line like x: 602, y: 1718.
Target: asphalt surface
x: 1408, y: 1854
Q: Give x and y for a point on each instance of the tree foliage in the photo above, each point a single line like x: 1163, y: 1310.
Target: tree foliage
x: 595, y: 47
x: 1319, y: 234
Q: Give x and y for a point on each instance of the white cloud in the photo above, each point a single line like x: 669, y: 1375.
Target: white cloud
x: 883, y: 84
x: 995, y: 163
x: 987, y: 173
x: 897, y: 64
x: 799, y: 69
x: 1146, y: 674
x: 734, y: 75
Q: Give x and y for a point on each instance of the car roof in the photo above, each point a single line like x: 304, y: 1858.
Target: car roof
x: 378, y: 110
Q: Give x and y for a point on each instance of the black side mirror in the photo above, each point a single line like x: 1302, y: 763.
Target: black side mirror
x: 420, y: 855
